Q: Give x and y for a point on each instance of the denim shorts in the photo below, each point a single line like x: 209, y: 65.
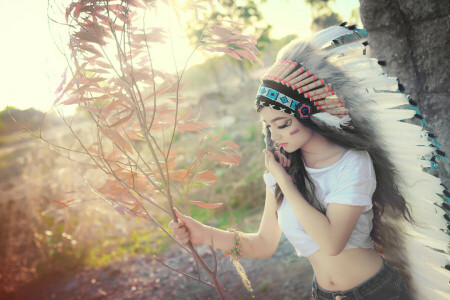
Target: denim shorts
x: 386, y: 284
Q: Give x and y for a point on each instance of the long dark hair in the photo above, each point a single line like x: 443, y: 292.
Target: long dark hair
x: 352, y: 137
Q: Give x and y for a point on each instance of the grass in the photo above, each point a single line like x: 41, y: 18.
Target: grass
x: 224, y: 220
x: 138, y: 242
x: 148, y: 241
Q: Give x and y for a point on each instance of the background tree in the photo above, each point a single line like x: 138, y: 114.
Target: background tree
x: 323, y: 15
x: 404, y: 35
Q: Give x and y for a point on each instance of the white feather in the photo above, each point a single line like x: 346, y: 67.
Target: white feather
x: 331, y: 120
x: 327, y: 35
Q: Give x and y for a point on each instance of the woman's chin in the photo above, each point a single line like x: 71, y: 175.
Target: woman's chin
x: 287, y: 150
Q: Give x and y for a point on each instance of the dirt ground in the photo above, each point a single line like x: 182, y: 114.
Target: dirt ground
x: 283, y: 276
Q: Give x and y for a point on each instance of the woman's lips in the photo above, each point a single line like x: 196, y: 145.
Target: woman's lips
x: 283, y: 144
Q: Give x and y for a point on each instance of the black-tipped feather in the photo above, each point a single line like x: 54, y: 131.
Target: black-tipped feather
x: 412, y: 102
x: 441, y: 153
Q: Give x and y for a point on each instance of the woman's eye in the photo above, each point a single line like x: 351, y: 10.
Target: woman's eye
x: 288, y: 123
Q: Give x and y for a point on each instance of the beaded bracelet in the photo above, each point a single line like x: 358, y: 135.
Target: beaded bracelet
x: 235, y: 252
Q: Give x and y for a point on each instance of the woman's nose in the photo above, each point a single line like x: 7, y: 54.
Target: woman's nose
x: 276, y: 136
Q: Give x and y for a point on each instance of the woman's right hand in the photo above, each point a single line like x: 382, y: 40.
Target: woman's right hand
x: 188, y: 229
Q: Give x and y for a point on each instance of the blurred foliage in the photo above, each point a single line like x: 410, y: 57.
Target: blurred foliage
x: 216, y: 71
x: 326, y: 20
x: 245, y: 12
x: 355, y: 17
x: 60, y: 250
x: 323, y: 15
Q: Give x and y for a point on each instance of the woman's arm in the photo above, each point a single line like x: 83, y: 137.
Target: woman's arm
x: 257, y: 245
x: 331, y: 231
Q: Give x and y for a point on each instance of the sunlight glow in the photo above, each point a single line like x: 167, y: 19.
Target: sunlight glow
x: 32, y: 64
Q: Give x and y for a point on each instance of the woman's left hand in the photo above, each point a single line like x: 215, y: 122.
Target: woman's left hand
x: 276, y: 168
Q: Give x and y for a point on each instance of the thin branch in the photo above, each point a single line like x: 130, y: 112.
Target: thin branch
x: 181, y: 272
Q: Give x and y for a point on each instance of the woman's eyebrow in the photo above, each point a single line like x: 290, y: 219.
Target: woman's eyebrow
x: 276, y: 119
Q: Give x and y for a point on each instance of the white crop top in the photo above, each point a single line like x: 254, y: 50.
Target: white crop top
x: 351, y: 180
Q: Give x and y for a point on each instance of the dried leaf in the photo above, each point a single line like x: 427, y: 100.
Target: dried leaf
x: 206, y: 205
x: 61, y: 85
x: 230, y: 144
x: 120, y: 209
x: 206, y: 176
x: 116, y: 138
x: 61, y: 203
x: 103, y: 64
x: 123, y: 120
x: 225, y: 159
x: 233, y: 55
x: 192, y: 125
x: 179, y: 175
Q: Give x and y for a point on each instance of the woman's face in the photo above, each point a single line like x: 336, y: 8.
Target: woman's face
x: 285, y: 129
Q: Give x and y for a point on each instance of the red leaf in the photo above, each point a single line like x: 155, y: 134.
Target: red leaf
x: 103, y: 64
x: 231, y: 144
x: 68, y: 87
x: 234, y: 55
x: 225, y: 159
x: 61, y: 203
x: 192, y: 125
x: 123, y: 120
x: 179, y: 175
x: 116, y: 138
x: 120, y: 209
x: 61, y: 85
x: 206, y: 205
x: 206, y: 176
x: 90, y: 37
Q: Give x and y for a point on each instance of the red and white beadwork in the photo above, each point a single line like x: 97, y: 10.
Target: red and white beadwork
x: 312, y: 88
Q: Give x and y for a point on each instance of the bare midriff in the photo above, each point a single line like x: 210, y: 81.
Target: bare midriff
x: 346, y: 270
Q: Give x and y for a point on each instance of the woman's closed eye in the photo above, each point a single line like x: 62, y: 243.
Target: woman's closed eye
x: 286, y: 124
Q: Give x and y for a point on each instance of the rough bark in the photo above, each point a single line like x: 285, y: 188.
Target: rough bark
x: 412, y: 37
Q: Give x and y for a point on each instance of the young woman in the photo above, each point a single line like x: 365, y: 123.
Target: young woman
x: 337, y: 184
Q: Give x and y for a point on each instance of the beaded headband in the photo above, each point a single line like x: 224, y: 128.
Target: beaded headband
x: 292, y: 89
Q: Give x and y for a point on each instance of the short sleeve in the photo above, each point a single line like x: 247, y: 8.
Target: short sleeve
x: 270, y: 181
x: 355, y: 182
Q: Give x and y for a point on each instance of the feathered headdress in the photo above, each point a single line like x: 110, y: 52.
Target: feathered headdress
x: 330, y: 81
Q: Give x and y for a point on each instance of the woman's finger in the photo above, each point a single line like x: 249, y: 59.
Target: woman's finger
x: 282, y: 158
x: 183, y: 236
x: 175, y: 225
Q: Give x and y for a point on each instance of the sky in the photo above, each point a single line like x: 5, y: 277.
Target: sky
x: 32, y: 65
